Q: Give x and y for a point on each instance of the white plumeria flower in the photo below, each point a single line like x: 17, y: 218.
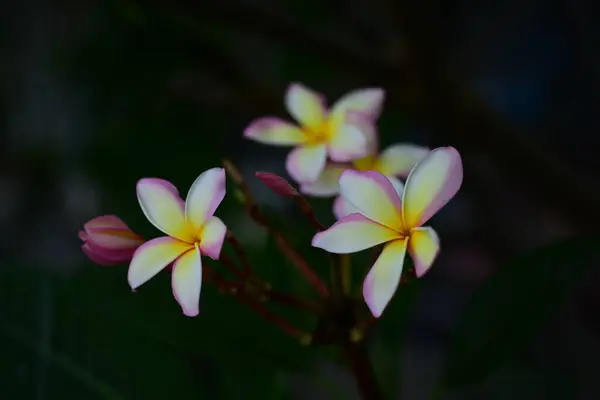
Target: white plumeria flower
x: 384, y: 217
x: 320, y: 132
x: 395, y: 161
x: 192, y: 231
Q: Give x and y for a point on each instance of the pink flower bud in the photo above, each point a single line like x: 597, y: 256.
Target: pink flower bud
x: 277, y: 184
x: 107, y: 240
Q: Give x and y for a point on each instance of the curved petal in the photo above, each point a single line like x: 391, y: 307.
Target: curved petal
x: 347, y: 143
x: 105, y: 221
x: 306, y: 106
x: 213, y: 235
x: 327, y: 184
x: 399, y: 159
x: 373, y: 195
x: 397, y: 184
x: 383, y: 278
x: 118, y: 256
x: 151, y: 257
x: 423, y: 247
x: 367, y: 126
x: 341, y: 208
x: 99, y: 258
x: 205, y: 195
x: 114, y: 239
x: 275, y: 131
x: 186, y: 280
x: 163, y: 207
x: 305, y: 163
x: 431, y: 184
x: 368, y: 101
x: 353, y: 233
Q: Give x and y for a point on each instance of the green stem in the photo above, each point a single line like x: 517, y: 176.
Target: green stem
x: 361, y: 368
x: 346, y: 271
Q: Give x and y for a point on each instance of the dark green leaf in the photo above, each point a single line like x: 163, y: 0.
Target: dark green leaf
x: 510, y: 307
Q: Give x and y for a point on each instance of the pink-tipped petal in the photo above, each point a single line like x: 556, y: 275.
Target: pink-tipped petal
x: 397, y: 184
x: 353, y: 233
x: 151, y: 257
x: 431, y: 184
x: 306, y: 106
x: 423, y: 247
x: 117, y: 256
x: 305, y: 163
x: 277, y: 184
x: 383, y: 278
x: 368, y: 101
x: 105, y: 221
x: 275, y: 131
x: 98, y: 258
x: 205, y: 195
x: 186, y: 280
x: 327, y: 184
x: 212, y: 238
x: 373, y: 195
x: 341, y: 208
x: 368, y: 127
x: 114, y: 239
x: 399, y: 159
x: 347, y: 143
x: 163, y: 207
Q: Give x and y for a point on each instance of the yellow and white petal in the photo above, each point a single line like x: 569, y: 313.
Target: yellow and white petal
x: 275, y: 131
x: 431, y: 184
x: 383, y: 278
x: 353, y: 233
x: 205, y: 195
x: 212, y: 237
x: 163, y: 207
x: 423, y: 247
x: 347, y: 143
x: 399, y: 159
x: 327, y: 184
x: 373, y: 195
x: 305, y: 163
x: 368, y: 101
x: 306, y: 106
x: 186, y: 281
x: 341, y: 208
x: 151, y: 257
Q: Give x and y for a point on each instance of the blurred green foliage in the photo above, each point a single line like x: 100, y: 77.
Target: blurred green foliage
x: 509, y: 309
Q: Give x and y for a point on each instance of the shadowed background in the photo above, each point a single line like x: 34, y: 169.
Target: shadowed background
x: 95, y: 95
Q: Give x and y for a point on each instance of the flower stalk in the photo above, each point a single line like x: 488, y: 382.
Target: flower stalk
x: 284, y: 245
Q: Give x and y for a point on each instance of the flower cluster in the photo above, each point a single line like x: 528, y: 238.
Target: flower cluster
x: 336, y: 154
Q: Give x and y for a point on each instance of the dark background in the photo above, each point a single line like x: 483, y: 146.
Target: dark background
x: 95, y: 95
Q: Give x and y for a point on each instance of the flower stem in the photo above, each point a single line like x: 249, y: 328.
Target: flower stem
x: 239, y: 250
x: 284, y: 245
x: 346, y: 271
x: 308, y: 211
x: 361, y: 368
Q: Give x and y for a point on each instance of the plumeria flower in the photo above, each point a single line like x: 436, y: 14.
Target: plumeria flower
x: 191, y: 231
x: 396, y: 161
x: 320, y: 132
x: 107, y: 240
x: 384, y: 217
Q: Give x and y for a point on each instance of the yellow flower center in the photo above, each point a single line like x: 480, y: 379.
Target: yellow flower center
x: 319, y: 135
